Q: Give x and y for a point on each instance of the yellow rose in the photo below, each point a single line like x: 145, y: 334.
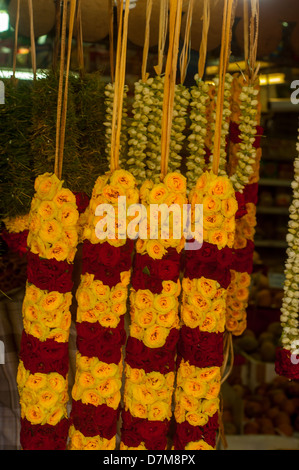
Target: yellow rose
x: 47, y: 185
x: 55, y: 416
x: 199, y: 445
x: 155, y: 249
x: 218, y: 237
x: 34, y: 414
x: 244, y: 279
x: 31, y: 312
x: 171, y: 288
x: 158, y: 194
x: 51, y: 301
x: 213, y: 390
x: 145, y: 190
x: 37, y: 330
x: 119, y: 308
x: 229, y: 224
x: 209, y: 323
x: 164, y: 303
x: 50, y: 231
x: 212, y: 221
x: 211, y: 204
x: 209, y: 373
x: 229, y: 207
x: 64, y: 196
x: 118, y: 293
x: 138, y: 410
x: 195, y: 388
x: 158, y: 411
x: 210, y: 407
x: 202, y: 182
x: 86, y: 380
x: 125, y: 277
x: 190, y: 316
x: 175, y: 182
x: 201, y: 303
x: 188, y: 285
x: 144, y: 298
x: 188, y: 402
x: 179, y: 413
x: 145, y: 317
x: 155, y: 336
x: 86, y: 299
x: 59, y: 335
x: 57, y: 382
x: 103, y: 370
x: 48, y: 398
x: 221, y: 187
x: 51, y: 319
x: 59, y: 251
x: 112, y: 193
x: 155, y: 380
x: 143, y: 395
x: 114, y: 400
x: 136, y: 331
x: 68, y: 215
x: 70, y: 235
x: 101, y: 181
x: 207, y: 287
x: 35, y: 223
x: 109, y: 386
x: 122, y: 178
x: 22, y: 375
x: 108, y: 320
x: 47, y: 210
x: 91, y: 397
x: 168, y: 319
x: 196, y: 419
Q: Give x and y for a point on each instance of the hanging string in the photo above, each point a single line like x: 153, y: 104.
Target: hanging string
x: 57, y: 34
x: 64, y: 109
x: 163, y: 23
x: 16, y: 42
x: 170, y: 80
x: 253, y: 40
x: 149, y: 5
x: 120, y: 70
x: 185, y: 54
x: 228, y: 15
x: 111, y: 39
x: 60, y: 86
x: 246, y: 34
x: 80, y: 51
x: 204, y: 39
x: 32, y: 38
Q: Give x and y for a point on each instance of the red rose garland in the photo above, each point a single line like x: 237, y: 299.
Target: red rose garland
x: 154, y: 329
x: 43, y: 367
x: 102, y: 297
x: 200, y: 349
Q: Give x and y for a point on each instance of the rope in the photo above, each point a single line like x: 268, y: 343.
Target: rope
x: 80, y: 53
x: 63, y: 96
x: 149, y: 5
x: 163, y: 22
x: 253, y: 39
x: 185, y: 54
x: 111, y: 42
x: 224, y: 56
x: 246, y: 33
x: 16, y: 42
x: 204, y: 39
x: 32, y: 38
x: 120, y: 70
x: 169, y: 83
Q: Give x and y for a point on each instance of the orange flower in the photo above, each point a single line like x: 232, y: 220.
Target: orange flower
x: 175, y: 182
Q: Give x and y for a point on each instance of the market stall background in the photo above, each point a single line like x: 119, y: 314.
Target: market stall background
x: 278, y: 54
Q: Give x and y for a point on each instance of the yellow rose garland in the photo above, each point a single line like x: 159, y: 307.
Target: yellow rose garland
x: 200, y: 350
x: 43, y: 367
x: 101, y: 306
x: 154, y: 326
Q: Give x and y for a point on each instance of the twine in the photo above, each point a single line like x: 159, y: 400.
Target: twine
x: 120, y: 69
x: 80, y: 53
x: 204, y: 38
x: 63, y: 96
x: 163, y: 24
x: 32, y: 38
x: 111, y: 41
x: 169, y: 83
x: 185, y: 54
x: 149, y: 5
x: 229, y: 6
x: 16, y: 42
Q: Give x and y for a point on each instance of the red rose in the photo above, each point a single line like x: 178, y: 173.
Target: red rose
x: 44, y: 437
x: 241, y: 205
x: 284, y: 365
x: 250, y: 193
x: 82, y: 201
x: 234, y: 133
x: 109, y: 255
x: 94, y: 420
x: 44, y: 356
x: 50, y: 275
x: 200, y: 348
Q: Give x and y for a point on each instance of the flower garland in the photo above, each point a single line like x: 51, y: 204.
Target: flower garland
x: 138, y: 129
x: 238, y: 291
x: 246, y: 115
x: 43, y: 367
x: 154, y: 329
x: 286, y: 362
x: 102, y: 298
x: 109, y: 99
x: 179, y: 124
x: 196, y: 157
x: 225, y: 120
x: 200, y: 349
